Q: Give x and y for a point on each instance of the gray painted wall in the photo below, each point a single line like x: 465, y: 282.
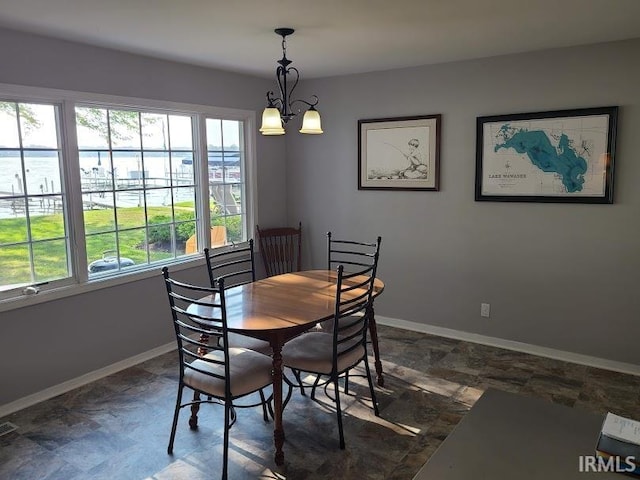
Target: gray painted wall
x: 49, y: 343
x: 559, y: 276
x: 562, y: 276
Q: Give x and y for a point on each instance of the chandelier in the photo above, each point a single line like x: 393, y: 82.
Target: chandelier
x: 280, y: 110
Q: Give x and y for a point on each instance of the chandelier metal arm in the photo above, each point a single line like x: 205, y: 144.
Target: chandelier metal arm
x: 308, y: 104
x: 285, y: 94
x: 273, y: 101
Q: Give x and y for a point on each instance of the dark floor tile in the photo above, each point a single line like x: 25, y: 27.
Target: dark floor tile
x: 59, y: 431
x: 608, y: 378
x: 94, y: 448
x: 25, y: 459
x: 622, y: 400
x: 118, y: 427
x: 555, y: 388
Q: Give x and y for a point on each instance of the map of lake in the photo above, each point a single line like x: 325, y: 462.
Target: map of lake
x: 563, y: 159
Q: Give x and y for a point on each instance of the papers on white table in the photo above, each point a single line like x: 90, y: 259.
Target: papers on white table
x: 621, y: 428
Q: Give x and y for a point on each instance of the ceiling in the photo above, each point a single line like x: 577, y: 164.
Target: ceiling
x: 333, y: 37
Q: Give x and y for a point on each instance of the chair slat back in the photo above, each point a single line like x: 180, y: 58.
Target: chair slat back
x: 354, y: 292
x: 354, y: 256
x: 235, y: 264
x: 199, y: 313
x: 281, y: 249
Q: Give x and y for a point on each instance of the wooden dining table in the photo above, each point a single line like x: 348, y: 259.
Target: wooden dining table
x: 279, y: 308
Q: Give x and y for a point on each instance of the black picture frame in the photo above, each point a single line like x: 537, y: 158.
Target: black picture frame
x: 561, y: 156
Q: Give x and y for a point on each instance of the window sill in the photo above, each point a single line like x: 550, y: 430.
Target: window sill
x: 97, y: 284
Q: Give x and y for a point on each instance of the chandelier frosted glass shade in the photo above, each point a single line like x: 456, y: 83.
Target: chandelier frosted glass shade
x: 311, y: 122
x: 271, y: 122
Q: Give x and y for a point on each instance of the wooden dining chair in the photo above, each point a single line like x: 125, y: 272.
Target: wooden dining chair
x: 281, y: 249
x: 236, y: 265
x: 220, y: 373
x: 331, y: 355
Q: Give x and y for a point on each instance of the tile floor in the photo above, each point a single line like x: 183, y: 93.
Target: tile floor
x: 117, y: 428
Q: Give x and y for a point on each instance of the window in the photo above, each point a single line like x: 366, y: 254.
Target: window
x: 91, y: 189
x: 138, y: 196
x: 226, y: 180
x: 34, y: 239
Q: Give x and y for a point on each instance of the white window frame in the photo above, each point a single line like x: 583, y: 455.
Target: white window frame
x: 79, y: 282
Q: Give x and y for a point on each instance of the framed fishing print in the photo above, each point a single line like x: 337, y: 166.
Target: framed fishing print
x: 399, y: 153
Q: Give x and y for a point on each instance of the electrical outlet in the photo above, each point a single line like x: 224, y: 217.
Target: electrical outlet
x: 485, y: 310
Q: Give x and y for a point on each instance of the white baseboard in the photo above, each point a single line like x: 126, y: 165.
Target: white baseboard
x: 571, y: 357
x: 64, y: 387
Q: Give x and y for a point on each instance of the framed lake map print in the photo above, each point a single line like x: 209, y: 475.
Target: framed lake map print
x: 399, y: 153
x: 563, y: 156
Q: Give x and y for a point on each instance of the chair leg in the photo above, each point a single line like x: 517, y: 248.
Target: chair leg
x: 371, y: 389
x: 288, y: 397
x: 346, y: 382
x: 264, y: 406
x: 270, y: 408
x: 338, y: 410
x: 232, y: 415
x: 225, y: 445
x: 313, y: 388
x: 296, y: 373
x: 193, y: 420
x: 175, y: 419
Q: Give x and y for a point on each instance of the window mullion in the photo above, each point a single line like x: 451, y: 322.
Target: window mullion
x: 145, y: 187
x: 25, y: 195
x: 202, y: 182
x: 73, y: 186
x: 248, y: 175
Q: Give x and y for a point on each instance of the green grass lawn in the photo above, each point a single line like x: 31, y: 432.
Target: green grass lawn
x: 50, y: 256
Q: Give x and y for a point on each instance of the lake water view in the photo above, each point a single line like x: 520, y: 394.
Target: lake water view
x: 98, y: 171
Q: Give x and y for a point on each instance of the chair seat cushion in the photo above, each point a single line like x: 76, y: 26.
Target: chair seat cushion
x: 348, y: 325
x: 237, y: 340
x: 248, y: 370
x: 313, y: 352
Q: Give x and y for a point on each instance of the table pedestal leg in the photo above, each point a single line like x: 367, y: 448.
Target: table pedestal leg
x: 278, y: 431
x: 373, y: 332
